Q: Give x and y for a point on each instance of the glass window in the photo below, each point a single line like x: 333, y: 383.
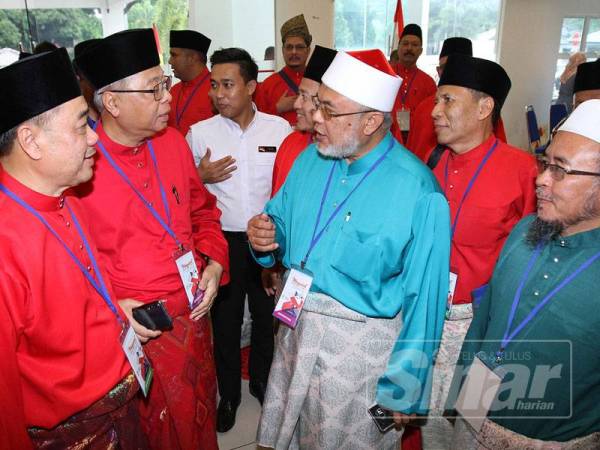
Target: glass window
x: 473, y: 19
x: 578, y: 34
x: 570, y: 35
x: 171, y: 15
x: 592, y: 40
x: 22, y: 29
x: 362, y: 24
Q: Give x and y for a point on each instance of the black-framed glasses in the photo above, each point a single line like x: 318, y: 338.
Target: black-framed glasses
x: 558, y: 172
x: 158, y: 90
x: 328, y: 115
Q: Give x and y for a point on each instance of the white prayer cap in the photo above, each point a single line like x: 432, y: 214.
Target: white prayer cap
x: 585, y: 120
x: 364, y: 76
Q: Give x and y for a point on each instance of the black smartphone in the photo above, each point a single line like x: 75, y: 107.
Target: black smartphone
x: 153, y: 316
x: 383, y: 418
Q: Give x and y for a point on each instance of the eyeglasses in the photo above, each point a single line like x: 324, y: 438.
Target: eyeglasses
x: 328, y: 115
x: 158, y: 90
x: 558, y: 173
x: 298, y: 48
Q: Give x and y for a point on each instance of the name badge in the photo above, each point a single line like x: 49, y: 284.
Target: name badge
x: 188, y: 272
x: 293, y: 295
x: 403, y: 119
x: 267, y: 149
x: 451, y: 288
x: 478, y: 392
x: 142, y: 369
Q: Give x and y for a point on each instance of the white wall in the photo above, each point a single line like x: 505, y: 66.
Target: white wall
x: 254, y: 26
x: 528, y: 49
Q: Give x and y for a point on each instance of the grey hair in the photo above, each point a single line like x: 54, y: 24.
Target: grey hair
x: 387, y: 121
x: 7, y: 139
x: 119, y: 84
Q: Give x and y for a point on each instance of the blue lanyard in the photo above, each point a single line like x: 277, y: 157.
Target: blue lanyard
x: 179, y: 115
x: 146, y: 203
x: 316, y: 237
x: 403, y: 97
x: 510, y: 335
x: 99, y: 284
x: 469, y: 186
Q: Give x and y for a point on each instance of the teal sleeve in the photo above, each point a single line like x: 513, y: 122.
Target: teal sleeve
x: 406, y: 384
x: 276, y: 210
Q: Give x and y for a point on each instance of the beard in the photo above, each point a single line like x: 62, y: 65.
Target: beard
x: 345, y: 149
x: 339, y: 151
x: 542, y: 230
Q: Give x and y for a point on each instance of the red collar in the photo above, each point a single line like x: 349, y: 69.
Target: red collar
x: 40, y: 202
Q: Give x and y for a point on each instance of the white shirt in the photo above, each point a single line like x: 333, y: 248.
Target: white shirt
x: 244, y: 194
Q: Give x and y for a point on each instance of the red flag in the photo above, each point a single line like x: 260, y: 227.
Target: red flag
x: 157, y: 39
x: 399, y: 18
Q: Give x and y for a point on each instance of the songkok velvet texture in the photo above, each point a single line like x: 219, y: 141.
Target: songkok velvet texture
x: 460, y: 45
x: 35, y: 85
x: 319, y: 62
x: 587, y: 77
x: 119, y: 56
x: 477, y: 74
x: 189, y: 39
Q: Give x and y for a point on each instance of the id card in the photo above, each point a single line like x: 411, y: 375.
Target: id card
x: 293, y: 295
x: 478, y: 392
x: 403, y: 118
x: 137, y: 359
x: 188, y: 272
x: 451, y: 289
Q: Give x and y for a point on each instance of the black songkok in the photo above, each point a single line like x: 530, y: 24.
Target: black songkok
x: 477, y: 74
x: 35, y: 85
x: 319, y: 62
x: 587, y: 77
x: 412, y: 29
x: 189, y: 39
x: 460, y: 45
x: 119, y: 56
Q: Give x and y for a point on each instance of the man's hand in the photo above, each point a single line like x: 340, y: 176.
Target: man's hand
x: 209, y: 283
x: 401, y: 420
x: 217, y: 171
x: 261, y: 233
x: 143, y: 333
x: 271, y: 280
x: 285, y: 103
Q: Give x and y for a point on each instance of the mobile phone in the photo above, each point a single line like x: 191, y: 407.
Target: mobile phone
x: 153, y: 316
x: 383, y: 418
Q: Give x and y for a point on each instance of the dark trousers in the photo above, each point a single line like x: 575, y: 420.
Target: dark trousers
x: 227, y: 317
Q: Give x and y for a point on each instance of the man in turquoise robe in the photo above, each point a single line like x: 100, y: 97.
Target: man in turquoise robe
x: 373, y: 317
x: 550, y: 367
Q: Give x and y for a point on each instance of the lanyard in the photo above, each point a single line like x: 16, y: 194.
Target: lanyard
x: 179, y: 115
x: 316, y: 237
x: 403, y: 96
x: 146, y: 203
x: 98, y: 284
x: 510, y: 335
x: 469, y: 186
